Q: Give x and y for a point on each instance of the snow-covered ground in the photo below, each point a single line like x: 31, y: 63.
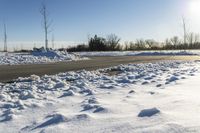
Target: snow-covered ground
x: 152, y: 97
x: 140, y: 53
x: 56, y: 56
x: 36, y: 57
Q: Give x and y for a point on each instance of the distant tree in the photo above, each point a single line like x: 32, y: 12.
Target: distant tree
x: 78, y: 48
x: 113, y: 42
x: 184, y: 31
x: 193, y: 40
x: 140, y: 44
x: 132, y: 46
x: 175, y: 41
x: 97, y: 44
x: 52, y: 42
x: 126, y: 46
x: 150, y: 43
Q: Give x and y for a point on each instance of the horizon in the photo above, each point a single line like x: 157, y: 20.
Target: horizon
x: 74, y: 21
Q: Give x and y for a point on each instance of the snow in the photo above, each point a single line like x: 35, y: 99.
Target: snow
x: 58, y: 56
x: 36, y: 57
x: 150, y: 97
x: 148, y: 112
x: 140, y: 53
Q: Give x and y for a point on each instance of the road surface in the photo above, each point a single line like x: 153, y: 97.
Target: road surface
x: 9, y: 73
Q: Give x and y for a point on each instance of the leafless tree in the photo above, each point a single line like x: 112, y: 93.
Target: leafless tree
x: 126, y: 45
x: 175, y: 41
x: 46, y: 23
x: 113, y: 41
x: 150, y: 43
x: 140, y: 44
x: 52, y: 41
x: 184, y: 31
x: 192, y: 39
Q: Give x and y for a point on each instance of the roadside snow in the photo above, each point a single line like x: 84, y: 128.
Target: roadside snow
x: 36, y: 57
x: 152, y: 97
x: 140, y: 53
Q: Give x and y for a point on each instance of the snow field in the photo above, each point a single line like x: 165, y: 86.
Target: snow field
x: 151, y: 97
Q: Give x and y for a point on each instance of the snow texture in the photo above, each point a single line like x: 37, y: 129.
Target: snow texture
x: 36, y: 57
x: 140, y: 53
x: 151, y: 97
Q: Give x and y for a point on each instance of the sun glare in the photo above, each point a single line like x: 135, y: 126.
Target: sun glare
x: 194, y: 7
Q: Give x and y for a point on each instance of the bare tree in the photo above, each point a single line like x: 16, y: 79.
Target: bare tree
x: 46, y: 23
x: 113, y: 42
x: 126, y: 45
x: 175, y: 41
x: 193, y: 39
x: 150, y: 43
x: 52, y: 41
x: 5, y: 39
x: 140, y: 44
x: 184, y: 31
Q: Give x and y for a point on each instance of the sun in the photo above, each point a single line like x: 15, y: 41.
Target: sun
x: 194, y: 7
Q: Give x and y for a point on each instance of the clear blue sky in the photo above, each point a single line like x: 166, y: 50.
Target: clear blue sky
x: 74, y: 20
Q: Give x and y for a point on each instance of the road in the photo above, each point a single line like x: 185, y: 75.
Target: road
x: 9, y: 73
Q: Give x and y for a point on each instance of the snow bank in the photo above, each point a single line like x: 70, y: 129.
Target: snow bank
x: 94, y: 101
x: 36, y: 57
x: 139, y: 53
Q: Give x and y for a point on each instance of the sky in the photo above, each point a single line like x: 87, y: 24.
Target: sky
x: 73, y: 21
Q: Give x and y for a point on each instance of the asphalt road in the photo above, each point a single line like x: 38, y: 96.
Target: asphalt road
x: 9, y: 73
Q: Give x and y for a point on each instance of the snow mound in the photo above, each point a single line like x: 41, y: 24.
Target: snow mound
x: 148, y: 112
x: 37, y: 57
x: 80, y: 117
x: 94, y: 108
x: 68, y: 93
x: 52, y: 120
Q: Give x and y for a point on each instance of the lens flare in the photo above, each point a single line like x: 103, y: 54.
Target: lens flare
x: 194, y: 8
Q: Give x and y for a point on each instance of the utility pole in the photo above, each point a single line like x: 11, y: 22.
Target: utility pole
x: 5, y: 39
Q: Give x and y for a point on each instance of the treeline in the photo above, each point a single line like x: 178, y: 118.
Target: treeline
x: 112, y: 43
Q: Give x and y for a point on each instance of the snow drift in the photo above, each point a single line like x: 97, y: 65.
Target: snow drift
x: 152, y: 97
x: 141, y: 53
x: 36, y: 57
